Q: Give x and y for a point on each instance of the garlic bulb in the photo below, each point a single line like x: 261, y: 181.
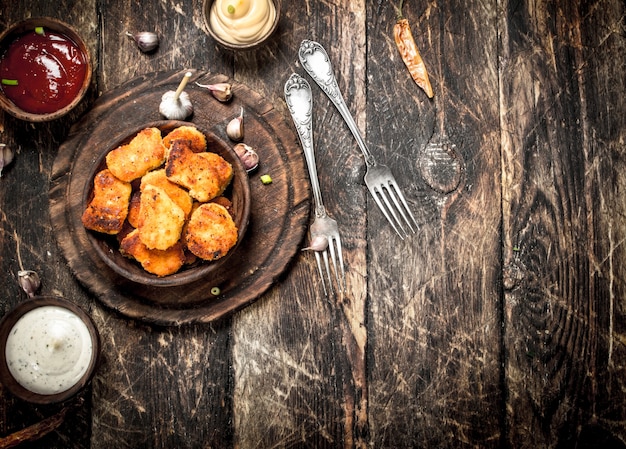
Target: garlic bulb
x: 234, y: 129
x: 177, y: 105
x: 6, y: 156
x: 221, y: 91
x: 249, y: 158
x: 145, y: 40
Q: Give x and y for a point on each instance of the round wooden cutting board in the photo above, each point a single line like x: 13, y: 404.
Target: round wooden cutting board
x: 279, y: 211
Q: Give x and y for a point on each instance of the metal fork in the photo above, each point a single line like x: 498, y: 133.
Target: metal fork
x: 378, y: 178
x: 324, y: 231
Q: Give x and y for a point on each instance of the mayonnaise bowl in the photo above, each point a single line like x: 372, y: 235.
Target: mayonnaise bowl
x: 241, y: 24
x: 49, y: 349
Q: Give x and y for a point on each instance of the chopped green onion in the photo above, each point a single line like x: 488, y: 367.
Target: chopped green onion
x: 39, y: 30
x: 215, y: 291
x: 231, y: 9
x: 266, y: 179
x: 9, y: 82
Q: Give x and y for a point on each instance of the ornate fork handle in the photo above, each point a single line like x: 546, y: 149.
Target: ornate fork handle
x: 299, y: 100
x: 316, y: 62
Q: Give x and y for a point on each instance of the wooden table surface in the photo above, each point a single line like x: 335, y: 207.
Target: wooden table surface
x: 501, y: 323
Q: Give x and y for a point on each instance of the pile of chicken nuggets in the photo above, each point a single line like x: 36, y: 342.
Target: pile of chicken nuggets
x: 163, y: 199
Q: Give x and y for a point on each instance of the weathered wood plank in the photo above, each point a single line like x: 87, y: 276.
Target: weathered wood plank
x: 558, y: 237
x: 299, y: 358
x: 600, y: 67
x: 435, y: 302
x: 27, y: 240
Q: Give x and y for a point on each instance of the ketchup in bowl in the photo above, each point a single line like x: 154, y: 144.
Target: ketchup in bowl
x: 42, y: 71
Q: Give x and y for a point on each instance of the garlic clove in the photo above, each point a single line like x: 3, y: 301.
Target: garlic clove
x: 29, y: 281
x: 221, y: 91
x: 248, y: 156
x: 147, y: 41
x: 318, y: 243
x: 6, y: 156
x: 234, y: 129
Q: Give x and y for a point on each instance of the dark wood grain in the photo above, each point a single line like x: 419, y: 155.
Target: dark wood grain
x: 435, y: 333
x: 500, y: 323
x: 558, y: 312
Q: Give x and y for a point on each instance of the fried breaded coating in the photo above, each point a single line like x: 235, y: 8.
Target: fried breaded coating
x: 179, y: 195
x: 205, y: 175
x: 211, y: 232
x: 223, y: 201
x: 160, y: 220
x: 159, y: 262
x: 196, y: 138
x: 108, y: 208
x: 142, y: 154
x: 133, y: 208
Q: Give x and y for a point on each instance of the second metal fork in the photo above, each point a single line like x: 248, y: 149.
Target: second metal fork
x: 378, y: 178
x: 324, y: 231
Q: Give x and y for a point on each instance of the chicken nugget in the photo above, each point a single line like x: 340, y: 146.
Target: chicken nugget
x: 221, y: 169
x: 179, y: 195
x: 133, y: 208
x: 160, y: 219
x: 108, y: 208
x: 222, y: 200
x: 159, y: 262
x: 205, y: 175
x: 210, y: 232
x: 196, y: 138
x: 143, y: 153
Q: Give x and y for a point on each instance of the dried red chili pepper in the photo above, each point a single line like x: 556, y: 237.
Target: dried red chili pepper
x: 409, y: 52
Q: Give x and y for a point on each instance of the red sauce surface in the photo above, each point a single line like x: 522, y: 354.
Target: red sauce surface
x: 49, y: 68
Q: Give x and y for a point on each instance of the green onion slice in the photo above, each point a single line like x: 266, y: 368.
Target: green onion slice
x: 231, y: 9
x: 39, y: 30
x: 8, y: 82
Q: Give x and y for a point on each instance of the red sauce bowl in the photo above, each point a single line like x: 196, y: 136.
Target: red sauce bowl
x: 53, y: 92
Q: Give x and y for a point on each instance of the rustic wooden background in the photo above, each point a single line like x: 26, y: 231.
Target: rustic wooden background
x: 502, y: 323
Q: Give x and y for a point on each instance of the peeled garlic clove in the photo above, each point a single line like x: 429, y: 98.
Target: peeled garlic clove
x: 318, y: 243
x: 249, y: 158
x: 234, y: 129
x: 145, y: 40
x: 6, y: 156
x: 29, y: 281
x: 221, y: 91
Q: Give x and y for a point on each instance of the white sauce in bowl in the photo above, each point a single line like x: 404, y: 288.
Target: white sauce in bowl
x: 49, y: 350
x: 242, y: 21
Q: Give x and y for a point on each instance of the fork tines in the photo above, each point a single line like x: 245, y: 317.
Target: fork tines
x: 391, y: 202
x: 323, y: 266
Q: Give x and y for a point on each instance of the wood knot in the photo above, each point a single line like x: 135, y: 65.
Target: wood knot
x: 441, y: 166
x: 512, y: 276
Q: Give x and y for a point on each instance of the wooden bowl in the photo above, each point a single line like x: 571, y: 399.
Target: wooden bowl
x: 107, y: 247
x: 64, y: 313
x: 242, y: 45
x: 28, y: 26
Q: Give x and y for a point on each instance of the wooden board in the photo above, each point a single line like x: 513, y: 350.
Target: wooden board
x: 279, y: 212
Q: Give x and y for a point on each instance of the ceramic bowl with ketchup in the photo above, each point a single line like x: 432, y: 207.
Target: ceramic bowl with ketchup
x: 45, y: 69
x: 49, y: 349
